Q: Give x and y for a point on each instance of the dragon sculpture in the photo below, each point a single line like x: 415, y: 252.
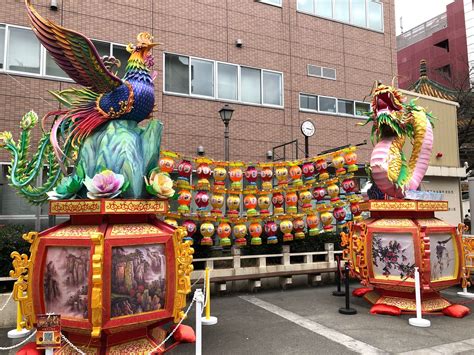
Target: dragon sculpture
x: 97, y: 125
x: 395, y: 122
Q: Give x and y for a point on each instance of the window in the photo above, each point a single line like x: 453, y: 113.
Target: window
x: 102, y: 47
x: 323, y: 8
x: 121, y: 54
x: 341, y: 10
x: 271, y: 2
x: 202, y: 77
x: 24, y: 51
x: 271, y: 88
x: 361, y: 13
x: 2, y: 45
x: 323, y: 104
x: 52, y: 69
x: 443, y: 44
x: 217, y: 80
x: 177, y: 74
x: 361, y: 108
x: 445, y: 71
x: 309, y: 102
x: 250, y: 85
x: 327, y: 104
x: 227, y: 77
x: 375, y: 15
x: 345, y: 107
x: 305, y: 6
x: 358, y: 13
x: 321, y: 72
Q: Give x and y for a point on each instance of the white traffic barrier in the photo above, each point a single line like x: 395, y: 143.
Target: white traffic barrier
x: 418, y: 321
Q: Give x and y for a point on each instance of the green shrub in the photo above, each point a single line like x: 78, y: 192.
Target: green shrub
x: 11, y: 240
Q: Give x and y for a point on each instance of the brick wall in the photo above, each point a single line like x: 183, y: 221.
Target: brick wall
x: 273, y: 38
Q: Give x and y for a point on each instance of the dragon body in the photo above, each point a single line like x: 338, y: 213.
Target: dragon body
x: 395, y: 123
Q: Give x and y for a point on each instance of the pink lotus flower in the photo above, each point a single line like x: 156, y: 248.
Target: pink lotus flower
x: 105, y: 184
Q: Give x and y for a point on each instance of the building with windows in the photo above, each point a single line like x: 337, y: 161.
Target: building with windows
x: 446, y: 42
x: 276, y: 62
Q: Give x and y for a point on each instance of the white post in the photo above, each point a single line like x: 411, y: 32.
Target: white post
x: 199, y: 298
x: 466, y: 293
x: 418, y: 321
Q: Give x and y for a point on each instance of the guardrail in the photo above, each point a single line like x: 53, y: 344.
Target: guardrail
x: 239, y: 267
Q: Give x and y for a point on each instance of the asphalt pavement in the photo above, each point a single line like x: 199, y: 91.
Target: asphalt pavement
x: 305, y: 320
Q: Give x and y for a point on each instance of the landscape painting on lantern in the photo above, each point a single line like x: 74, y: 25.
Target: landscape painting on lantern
x: 393, y: 255
x: 65, y: 281
x: 442, y: 256
x: 138, y: 279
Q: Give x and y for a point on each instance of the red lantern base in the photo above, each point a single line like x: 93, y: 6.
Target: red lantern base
x: 430, y: 301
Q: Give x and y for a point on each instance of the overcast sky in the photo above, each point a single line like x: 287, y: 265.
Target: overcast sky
x: 415, y: 12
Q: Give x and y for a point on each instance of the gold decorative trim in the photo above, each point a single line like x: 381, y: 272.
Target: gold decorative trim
x: 97, y: 239
x: 74, y: 207
x: 404, y: 205
x: 432, y: 222
x: 432, y: 205
x: 393, y: 222
x: 75, y: 231
x: 138, y: 206
x: 135, y: 229
x: 23, y: 272
x: 184, y: 259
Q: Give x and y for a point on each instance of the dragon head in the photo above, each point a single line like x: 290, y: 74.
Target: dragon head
x: 387, y: 112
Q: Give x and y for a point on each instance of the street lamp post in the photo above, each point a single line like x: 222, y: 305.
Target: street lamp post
x: 226, y: 115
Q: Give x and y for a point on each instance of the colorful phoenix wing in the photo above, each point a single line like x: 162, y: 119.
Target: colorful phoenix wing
x: 74, y: 53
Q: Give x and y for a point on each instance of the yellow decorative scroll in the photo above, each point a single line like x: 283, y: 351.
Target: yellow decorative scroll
x: 23, y: 272
x: 184, y: 258
x: 96, y: 294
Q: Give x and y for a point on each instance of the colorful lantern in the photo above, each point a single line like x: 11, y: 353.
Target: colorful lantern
x: 224, y: 231
x: 319, y: 193
x: 201, y: 200
x: 278, y: 200
x: 207, y: 231
x: 251, y: 175
x: 355, y: 209
x: 281, y: 173
x: 298, y: 227
x: 321, y: 167
x: 191, y: 229
x: 250, y: 204
x: 267, y: 177
x: 326, y: 219
x: 233, y: 205
x: 171, y: 222
x: 291, y: 200
x: 166, y: 163
x: 204, y: 173
x: 338, y: 164
x: 286, y: 226
x: 308, y: 173
x: 271, y: 231
x: 184, y: 200
x: 348, y: 185
x: 264, y: 204
x: 240, y: 231
x: 235, y: 176
x: 217, y: 202
x: 305, y: 201
x: 295, y: 175
x: 339, y: 214
x: 312, y: 221
x: 351, y: 161
x: 220, y: 175
x: 255, y: 230
x: 333, y: 190
x: 184, y: 171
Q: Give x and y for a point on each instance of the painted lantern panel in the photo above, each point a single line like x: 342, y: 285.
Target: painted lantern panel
x: 393, y: 256
x: 138, y: 279
x: 65, y: 281
x: 442, y: 257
